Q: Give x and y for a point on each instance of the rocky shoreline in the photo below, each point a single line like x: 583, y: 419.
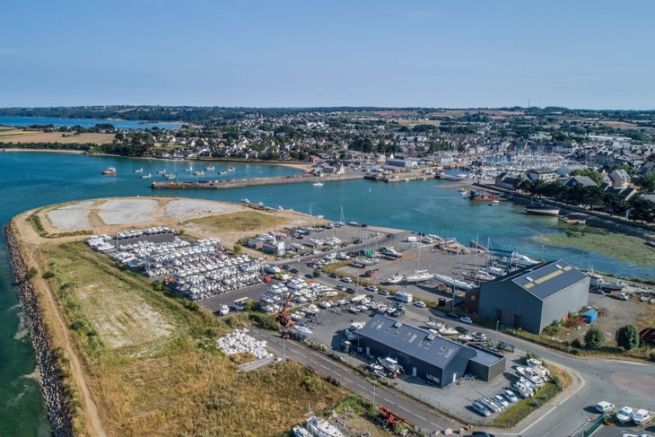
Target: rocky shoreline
x: 53, y: 390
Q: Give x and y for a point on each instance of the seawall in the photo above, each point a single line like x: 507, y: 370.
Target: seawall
x: 52, y: 387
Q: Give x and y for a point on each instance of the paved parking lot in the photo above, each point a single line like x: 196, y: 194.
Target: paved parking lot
x: 631, y: 430
x: 328, y: 327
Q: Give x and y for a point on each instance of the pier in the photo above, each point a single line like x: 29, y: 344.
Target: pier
x: 241, y: 183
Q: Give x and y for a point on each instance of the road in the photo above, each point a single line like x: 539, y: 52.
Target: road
x: 418, y: 414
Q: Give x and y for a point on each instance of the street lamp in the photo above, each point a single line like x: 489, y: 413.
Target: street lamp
x: 497, y: 323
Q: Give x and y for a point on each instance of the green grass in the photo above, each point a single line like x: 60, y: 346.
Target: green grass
x: 615, y: 245
x: 523, y: 408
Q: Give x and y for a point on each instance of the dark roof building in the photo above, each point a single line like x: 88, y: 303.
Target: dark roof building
x: 427, y: 355
x: 584, y: 181
x: 533, y: 297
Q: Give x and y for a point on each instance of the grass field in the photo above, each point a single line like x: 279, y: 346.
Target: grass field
x: 152, y: 364
x: 242, y: 221
x: 26, y: 136
x: 621, y: 246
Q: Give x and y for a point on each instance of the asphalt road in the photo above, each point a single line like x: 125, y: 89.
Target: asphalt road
x: 418, y: 414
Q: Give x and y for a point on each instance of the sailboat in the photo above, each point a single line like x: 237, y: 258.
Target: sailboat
x: 418, y: 275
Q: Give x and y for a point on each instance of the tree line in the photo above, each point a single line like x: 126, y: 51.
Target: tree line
x: 592, y: 197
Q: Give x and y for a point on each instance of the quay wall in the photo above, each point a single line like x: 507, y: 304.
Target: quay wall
x: 52, y: 387
x: 241, y: 183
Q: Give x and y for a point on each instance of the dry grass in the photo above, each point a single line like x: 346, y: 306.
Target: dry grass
x: 177, y: 383
x: 26, y: 136
x: 242, y: 221
x: 235, y: 226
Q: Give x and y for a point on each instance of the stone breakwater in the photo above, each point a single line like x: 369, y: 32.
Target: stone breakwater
x: 54, y: 392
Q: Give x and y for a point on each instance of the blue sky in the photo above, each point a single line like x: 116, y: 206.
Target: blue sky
x: 459, y: 53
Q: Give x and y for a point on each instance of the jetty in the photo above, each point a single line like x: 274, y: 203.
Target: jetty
x: 219, y: 184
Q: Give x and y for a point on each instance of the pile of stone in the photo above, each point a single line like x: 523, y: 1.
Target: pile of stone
x: 239, y: 342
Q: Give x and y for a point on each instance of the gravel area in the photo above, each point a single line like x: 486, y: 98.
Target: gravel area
x: 183, y: 209
x: 71, y: 217
x: 127, y: 211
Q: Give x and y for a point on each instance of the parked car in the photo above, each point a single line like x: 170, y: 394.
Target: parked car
x: 452, y: 315
x: 420, y: 304
x: 461, y: 330
x: 466, y: 320
x: 383, y: 292
x: 479, y: 336
x: 346, y: 279
x: 490, y: 405
x: 604, y: 407
x: 510, y: 396
x: 372, y: 288
x: 481, y: 409
x: 481, y: 434
x: 500, y: 399
x: 624, y: 415
x: 641, y: 416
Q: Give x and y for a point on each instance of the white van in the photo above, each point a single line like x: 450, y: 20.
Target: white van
x: 604, y: 407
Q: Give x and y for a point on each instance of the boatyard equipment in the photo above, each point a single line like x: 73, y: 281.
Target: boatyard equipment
x: 390, y: 419
x: 283, y: 315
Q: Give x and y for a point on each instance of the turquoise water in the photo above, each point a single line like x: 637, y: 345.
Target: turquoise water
x: 28, y: 180
x: 84, y: 122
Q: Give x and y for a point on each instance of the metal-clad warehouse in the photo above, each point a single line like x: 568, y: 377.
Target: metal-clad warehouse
x: 426, y: 355
x: 533, y: 297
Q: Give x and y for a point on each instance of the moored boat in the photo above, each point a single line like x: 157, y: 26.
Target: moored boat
x: 542, y: 210
x: 481, y: 196
x: 109, y: 171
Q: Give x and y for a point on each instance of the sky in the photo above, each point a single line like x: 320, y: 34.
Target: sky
x: 273, y: 53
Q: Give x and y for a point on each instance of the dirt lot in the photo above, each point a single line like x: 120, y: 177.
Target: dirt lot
x: 619, y: 313
x: 25, y: 136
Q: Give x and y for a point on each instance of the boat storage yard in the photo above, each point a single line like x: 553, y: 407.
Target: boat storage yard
x: 196, y: 270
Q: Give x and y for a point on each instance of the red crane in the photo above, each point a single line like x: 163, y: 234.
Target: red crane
x: 283, y: 315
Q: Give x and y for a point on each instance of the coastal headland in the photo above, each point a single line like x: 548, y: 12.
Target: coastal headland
x: 117, y: 357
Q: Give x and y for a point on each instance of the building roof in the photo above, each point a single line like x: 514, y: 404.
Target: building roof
x: 421, y: 344
x: 585, y: 181
x: 545, y: 279
x: 542, y: 170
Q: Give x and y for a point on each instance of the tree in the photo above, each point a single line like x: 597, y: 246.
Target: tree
x: 596, y: 176
x: 627, y: 337
x: 594, y: 338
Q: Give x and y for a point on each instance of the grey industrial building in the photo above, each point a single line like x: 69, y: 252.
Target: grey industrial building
x: 426, y: 355
x: 533, y: 297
